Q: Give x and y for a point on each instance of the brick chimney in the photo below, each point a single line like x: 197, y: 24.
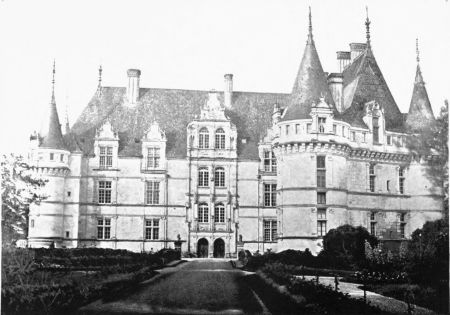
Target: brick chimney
x: 228, y: 90
x: 133, y: 85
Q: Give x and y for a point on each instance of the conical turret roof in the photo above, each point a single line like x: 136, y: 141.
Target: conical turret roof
x: 50, y: 134
x: 420, y: 112
x: 310, y: 84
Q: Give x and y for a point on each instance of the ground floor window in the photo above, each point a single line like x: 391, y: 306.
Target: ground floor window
x: 321, y: 222
x: 152, y: 229
x: 270, y: 230
x: 103, y: 228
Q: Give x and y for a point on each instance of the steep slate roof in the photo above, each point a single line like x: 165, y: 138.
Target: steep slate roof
x: 173, y: 109
x: 310, y: 84
x: 364, y: 82
x: 420, y: 112
x: 50, y: 134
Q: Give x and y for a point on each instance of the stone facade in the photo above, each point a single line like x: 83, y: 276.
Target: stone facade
x: 217, y: 172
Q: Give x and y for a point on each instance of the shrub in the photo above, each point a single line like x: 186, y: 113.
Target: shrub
x: 343, y: 247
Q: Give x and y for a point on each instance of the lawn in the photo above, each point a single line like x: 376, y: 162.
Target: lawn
x: 199, y: 286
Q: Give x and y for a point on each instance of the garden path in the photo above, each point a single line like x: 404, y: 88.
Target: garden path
x: 375, y: 299
x: 201, y: 286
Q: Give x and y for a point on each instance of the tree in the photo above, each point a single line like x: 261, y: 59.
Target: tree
x: 432, y: 143
x: 344, y: 246
x: 428, y: 259
x: 20, y: 188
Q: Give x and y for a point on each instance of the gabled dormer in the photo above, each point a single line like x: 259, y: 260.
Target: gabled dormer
x: 375, y: 121
x: 212, y: 134
x: 322, y: 116
x: 154, y: 148
x: 106, y: 147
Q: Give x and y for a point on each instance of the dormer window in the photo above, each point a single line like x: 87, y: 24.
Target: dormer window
x: 322, y: 122
x: 203, y: 139
x: 153, y: 157
x: 220, y: 139
x: 106, y: 157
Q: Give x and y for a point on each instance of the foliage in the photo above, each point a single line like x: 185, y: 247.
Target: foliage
x: 432, y: 143
x: 428, y: 255
x: 344, y: 247
x: 435, y: 298
x: 316, y: 298
x: 36, y: 281
x: 20, y: 188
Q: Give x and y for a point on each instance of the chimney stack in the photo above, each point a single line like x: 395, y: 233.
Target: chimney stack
x: 343, y: 58
x: 335, y: 83
x: 356, y: 49
x: 133, y: 85
x: 228, y: 90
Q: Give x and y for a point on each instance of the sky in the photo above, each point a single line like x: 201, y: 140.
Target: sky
x: 192, y: 44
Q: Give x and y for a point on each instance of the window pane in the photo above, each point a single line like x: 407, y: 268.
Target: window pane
x: 320, y: 161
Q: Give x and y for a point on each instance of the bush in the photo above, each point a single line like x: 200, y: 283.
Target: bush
x: 344, y: 247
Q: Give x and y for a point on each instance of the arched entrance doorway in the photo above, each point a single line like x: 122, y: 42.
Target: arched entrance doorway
x: 202, y: 248
x: 219, y: 248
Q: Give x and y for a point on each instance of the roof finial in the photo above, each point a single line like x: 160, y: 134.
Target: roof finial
x: 417, y: 50
x: 310, y: 34
x: 53, y: 81
x: 367, y: 27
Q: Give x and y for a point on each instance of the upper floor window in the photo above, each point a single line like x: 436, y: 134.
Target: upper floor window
x: 343, y: 131
x: 364, y: 137
x: 287, y: 130
x: 321, y: 171
x: 152, y: 229
x: 219, y: 177
x: 353, y: 136
x: 52, y: 156
x: 270, y: 195
x: 321, y: 198
x: 297, y: 128
x: 203, y: 138
x: 103, y: 228
x: 220, y: 139
x: 376, y: 138
x: 401, y: 180
x: 203, y: 213
x: 389, y: 140
x: 270, y: 162
x: 203, y: 177
x: 104, y: 192
x: 334, y: 129
x: 372, y: 177
x: 219, y: 213
x: 106, y: 156
x: 322, y: 122
x: 61, y: 157
x: 152, y: 193
x: 153, y: 157
x: 308, y: 128
x: 270, y: 230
